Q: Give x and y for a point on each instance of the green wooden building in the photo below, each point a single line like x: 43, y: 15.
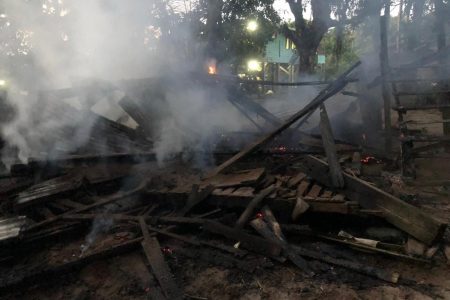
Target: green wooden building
x: 280, y: 60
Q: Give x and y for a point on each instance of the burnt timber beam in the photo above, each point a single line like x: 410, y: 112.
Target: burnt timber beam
x: 326, y: 93
x: 408, y: 218
x: 384, y: 67
x: 330, y: 149
x: 252, y: 206
x: 195, y: 198
x: 160, y: 269
x: 248, y: 241
x: 103, y: 201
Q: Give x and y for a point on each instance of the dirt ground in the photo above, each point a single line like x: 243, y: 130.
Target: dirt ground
x: 128, y: 277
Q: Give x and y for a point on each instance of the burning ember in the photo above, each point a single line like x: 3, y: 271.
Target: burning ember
x: 167, y: 250
x: 212, y: 68
x: 259, y: 215
x: 370, y: 160
x: 279, y: 149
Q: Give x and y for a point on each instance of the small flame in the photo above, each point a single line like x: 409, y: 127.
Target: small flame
x: 260, y: 215
x: 211, y: 69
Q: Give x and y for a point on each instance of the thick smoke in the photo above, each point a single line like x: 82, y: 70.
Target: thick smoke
x: 71, y: 43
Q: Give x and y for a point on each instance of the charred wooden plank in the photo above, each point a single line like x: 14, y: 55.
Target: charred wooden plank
x: 314, y: 192
x: 152, y: 251
x: 252, y: 206
x: 408, y: 218
x: 175, y: 236
x: 195, y: 198
x: 354, y: 266
x: 301, y: 206
x: 244, y: 191
x: 302, y: 188
x: 263, y: 229
x: 248, y: 241
x: 273, y: 223
x: 100, y: 202
x: 237, y: 179
x: 294, y: 181
x: 330, y: 149
x: 385, y: 77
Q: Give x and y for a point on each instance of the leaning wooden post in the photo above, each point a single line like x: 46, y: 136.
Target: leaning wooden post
x: 384, y: 68
x: 330, y: 149
x: 441, y: 43
x: 326, y: 93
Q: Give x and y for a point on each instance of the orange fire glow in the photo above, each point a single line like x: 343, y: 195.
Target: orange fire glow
x: 211, y: 69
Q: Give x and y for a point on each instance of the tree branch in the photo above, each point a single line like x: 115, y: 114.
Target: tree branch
x: 296, y: 7
x: 290, y: 34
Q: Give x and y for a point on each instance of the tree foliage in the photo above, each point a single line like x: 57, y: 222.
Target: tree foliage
x: 233, y: 43
x: 307, y: 34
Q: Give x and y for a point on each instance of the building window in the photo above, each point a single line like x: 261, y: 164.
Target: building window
x: 289, y: 44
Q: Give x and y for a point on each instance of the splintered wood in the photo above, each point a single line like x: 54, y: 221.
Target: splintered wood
x: 159, y: 267
x: 412, y: 220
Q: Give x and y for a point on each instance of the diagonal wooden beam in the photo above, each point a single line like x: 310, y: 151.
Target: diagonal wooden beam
x: 328, y: 92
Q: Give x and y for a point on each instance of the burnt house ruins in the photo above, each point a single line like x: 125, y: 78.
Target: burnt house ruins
x: 189, y: 187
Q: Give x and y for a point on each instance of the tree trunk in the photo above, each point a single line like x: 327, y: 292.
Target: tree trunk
x: 307, y: 62
x: 213, y: 23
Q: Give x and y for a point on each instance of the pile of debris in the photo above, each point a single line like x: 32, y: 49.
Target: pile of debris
x: 246, y: 214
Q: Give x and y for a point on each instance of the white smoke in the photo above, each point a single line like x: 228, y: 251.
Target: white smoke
x: 69, y: 41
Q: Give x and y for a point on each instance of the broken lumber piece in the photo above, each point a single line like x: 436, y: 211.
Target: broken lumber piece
x: 330, y: 149
x: 366, y: 248
x: 237, y: 179
x: 408, y: 218
x: 100, y: 202
x: 356, y: 267
x: 248, y: 241
x: 273, y: 223
x: 195, y: 198
x: 301, y: 206
x: 159, y: 267
x: 328, y: 92
x: 263, y: 229
x: 252, y: 206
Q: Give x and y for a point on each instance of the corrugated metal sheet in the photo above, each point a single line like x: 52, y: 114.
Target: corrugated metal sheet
x: 10, y: 228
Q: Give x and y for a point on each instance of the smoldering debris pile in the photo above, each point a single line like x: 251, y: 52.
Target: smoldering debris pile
x: 256, y: 209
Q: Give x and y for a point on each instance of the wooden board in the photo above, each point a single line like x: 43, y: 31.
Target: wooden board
x: 408, y: 218
x: 314, y: 192
x: 294, y: 181
x: 244, y: 192
x: 330, y: 148
x: 302, y: 188
x: 248, y: 241
x: 236, y: 179
x: 159, y: 267
x: 252, y: 206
